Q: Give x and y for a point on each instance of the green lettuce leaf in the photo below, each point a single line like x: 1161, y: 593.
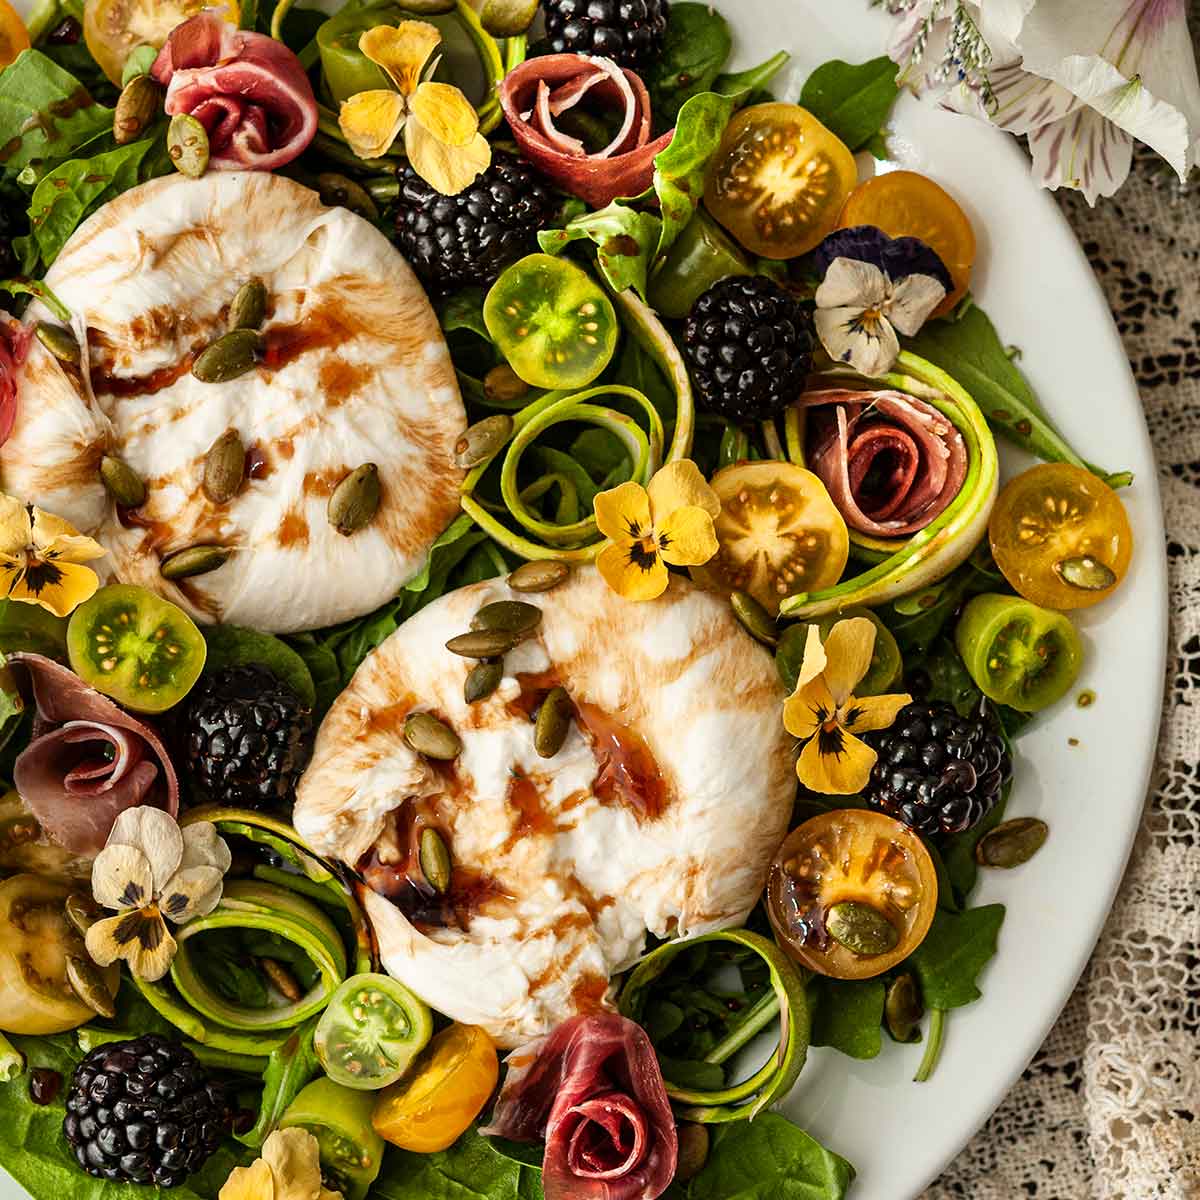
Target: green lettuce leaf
x: 625, y: 239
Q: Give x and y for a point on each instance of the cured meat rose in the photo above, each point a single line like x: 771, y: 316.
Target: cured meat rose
x: 66, y: 775
x: 248, y: 91
x: 542, y: 89
x: 594, y: 1091
x: 892, y: 463
x: 14, y: 342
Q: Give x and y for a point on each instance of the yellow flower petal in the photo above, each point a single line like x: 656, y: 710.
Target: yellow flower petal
x: 122, y: 878
x: 294, y: 1158
x: 686, y: 537
x: 16, y: 528
x: 12, y: 571
x: 808, y: 708
x: 864, y: 713
x: 254, y: 1182
x: 848, y: 648
x: 449, y: 169
x: 139, y: 936
x: 371, y: 120
x: 814, y: 661
x: 632, y: 577
x: 402, y: 51
x: 54, y: 537
x: 59, y: 587
x: 623, y: 513
x: 445, y: 112
x: 835, y: 763
x: 679, y: 485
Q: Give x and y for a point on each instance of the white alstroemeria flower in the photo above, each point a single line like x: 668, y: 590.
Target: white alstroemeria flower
x: 860, y: 308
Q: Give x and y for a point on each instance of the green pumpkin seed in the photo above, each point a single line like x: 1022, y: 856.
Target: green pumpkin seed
x: 693, y: 1151
x: 89, y: 985
x: 187, y: 145
x: 1012, y: 843
x: 224, y: 467
x: 553, y: 723
x: 123, y: 483
x: 755, y: 619
x: 138, y: 107
x: 540, y: 575
x: 339, y: 192
x: 508, y: 616
x: 863, y: 930
x: 430, y: 737
x: 483, y: 643
x: 229, y: 357
x: 434, y: 858
x: 282, y: 979
x: 902, y: 1008
x: 502, y: 385
x: 60, y: 341
x: 248, y: 308
x: 195, y: 560
x: 82, y: 912
x: 1086, y: 573
x: 483, y: 441
x: 482, y: 681
x: 355, y: 500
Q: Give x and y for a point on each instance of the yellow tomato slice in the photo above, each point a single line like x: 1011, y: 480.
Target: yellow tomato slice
x: 113, y: 29
x: 14, y: 37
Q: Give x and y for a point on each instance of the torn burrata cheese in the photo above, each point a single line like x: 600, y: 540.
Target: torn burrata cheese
x: 354, y: 370
x: 660, y: 813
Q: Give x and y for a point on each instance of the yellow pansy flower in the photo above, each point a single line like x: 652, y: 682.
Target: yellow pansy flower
x: 671, y: 521
x: 440, y: 125
x: 290, y: 1169
x: 826, y: 716
x: 41, y: 557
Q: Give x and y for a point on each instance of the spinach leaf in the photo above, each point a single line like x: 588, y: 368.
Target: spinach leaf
x: 229, y: 645
x: 290, y: 1067
x: 947, y: 674
x: 917, y: 620
x: 696, y: 47
x: 472, y: 1167
x: 847, y: 1015
x: 30, y: 628
x: 464, y: 310
x: 322, y: 666
x: 954, y: 952
x: 625, y: 239
x: 12, y: 708
x: 958, y: 852
x: 852, y: 101
x: 743, y: 86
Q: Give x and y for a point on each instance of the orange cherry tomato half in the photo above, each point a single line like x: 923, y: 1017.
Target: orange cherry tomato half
x: 114, y: 29
x: 861, y: 874
x: 14, y: 37
x: 905, y: 204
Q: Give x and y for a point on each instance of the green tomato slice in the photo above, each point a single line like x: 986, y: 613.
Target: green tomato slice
x: 142, y: 650
x: 552, y: 322
x: 340, y: 1119
x: 371, y: 1032
x: 1017, y: 653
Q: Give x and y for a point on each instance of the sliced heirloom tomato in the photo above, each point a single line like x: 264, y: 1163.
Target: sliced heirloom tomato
x: 114, y: 29
x: 779, y: 180
x: 779, y: 531
x: 340, y: 1119
x: 1060, y: 536
x: 142, y: 650
x: 851, y: 893
x: 14, y: 37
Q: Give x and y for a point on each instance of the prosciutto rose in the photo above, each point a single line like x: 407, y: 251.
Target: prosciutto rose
x: 248, y: 90
x: 14, y: 342
x: 594, y: 1091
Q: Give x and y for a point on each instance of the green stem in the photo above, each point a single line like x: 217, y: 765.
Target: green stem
x: 757, y: 1019
x: 383, y: 189
x: 12, y: 1061
x: 793, y: 432
x: 933, y: 1047
x: 277, y: 18
x: 771, y: 441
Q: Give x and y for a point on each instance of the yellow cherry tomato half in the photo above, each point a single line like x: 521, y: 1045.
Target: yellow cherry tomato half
x: 905, y: 204
x: 449, y: 1084
x: 779, y: 180
x: 779, y: 534
x: 857, y: 875
x: 114, y: 29
x: 14, y: 37
x: 1061, y: 536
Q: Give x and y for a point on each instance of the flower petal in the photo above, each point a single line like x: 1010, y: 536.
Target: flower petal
x: 155, y: 834
x: 633, y: 579
x: 808, y: 708
x: 401, y: 50
x: 122, y: 877
x: 850, y: 283
x: 835, y: 763
x: 16, y: 528
x: 371, y: 120
x: 55, y: 537
x: 59, y: 587
x: 814, y: 660
x: 192, y: 892
x: 863, y: 338
x: 848, y: 647
x: 139, y: 936
x: 12, y: 571
x: 254, y: 1182
x: 445, y: 113
x: 862, y: 714
x: 623, y: 513
x: 680, y: 484
x: 447, y: 168
x: 204, y: 847
x: 1083, y: 151
x: 293, y: 1155
x: 913, y: 300
x: 687, y: 538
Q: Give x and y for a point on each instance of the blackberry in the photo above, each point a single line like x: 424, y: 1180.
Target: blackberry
x: 249, y: 737
x: 453, y: 241
x: 145, y: 1111
x: 749, y: 345
x: 630, y: 32
x: 937, y: 771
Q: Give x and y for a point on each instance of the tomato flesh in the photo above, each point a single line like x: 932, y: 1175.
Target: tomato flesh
x: 114, y: 29
x: 340, y: 1119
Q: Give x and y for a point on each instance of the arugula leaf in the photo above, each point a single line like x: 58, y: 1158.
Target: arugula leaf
x: 852, y: 101
x: 231, y: 644
x: 290, y: 1067
x: 847, y: 1015
x: 625, y: 239
x: 695, y: 49
x: 472, y: 1167
x: 954, y: 952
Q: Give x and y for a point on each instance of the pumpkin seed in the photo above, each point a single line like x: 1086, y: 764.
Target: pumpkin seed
x: 187, y: 145
x: 1012, y: 843
x: 863, y: 930
x: 1085, y: 572
x: 430, y: 737
x: 224, y: 467
x: 60, y: 341
x: 483, y: 440
x: 355, y: 500
x: 339, y: 192
x: 541, y: 575
x: 508, y: 616
x: 434, y: 858
x: 229, y: 357
x: 248, y: 308
x: 137, y: 109
x: 693, y: 1151
x: 82, y: 912
x: 502, y: 385
x: 284, y: 981
x: 483, y: 643
x: 123, y: 483
x: 755, y: 619
x: 482, y: 681
x: 195, y: 560
x: 902, y: 1008
x: 553, y: 723
x: 89, y: 985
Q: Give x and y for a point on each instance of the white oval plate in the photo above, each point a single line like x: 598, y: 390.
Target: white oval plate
x: 1038, y: 288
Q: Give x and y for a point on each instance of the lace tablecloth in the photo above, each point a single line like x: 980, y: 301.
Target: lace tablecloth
x: 1110, y: 1107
